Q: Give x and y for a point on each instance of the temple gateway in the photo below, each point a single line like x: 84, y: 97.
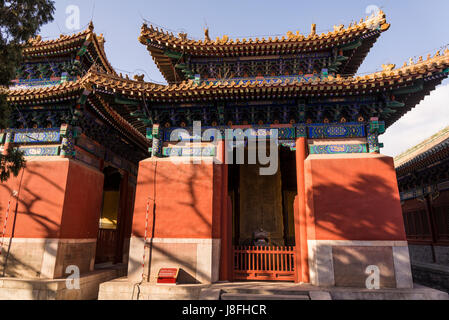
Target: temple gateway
x: 108, y: 184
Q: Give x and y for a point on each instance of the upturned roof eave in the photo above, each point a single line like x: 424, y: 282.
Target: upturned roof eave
x: 157, y: 40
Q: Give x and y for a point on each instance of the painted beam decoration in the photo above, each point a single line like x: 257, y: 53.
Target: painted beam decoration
x: 338, y: 149
x: 286, y: 137
x: 254, y: 132
x: 375, y: 129
x: 37, y: 136
x: 40, y: 151
x: 337, y: 131
x: 208, y: 151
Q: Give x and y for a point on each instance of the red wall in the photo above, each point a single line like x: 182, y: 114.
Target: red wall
x: 58, y: 199
x: 83, y: 201
x: 186, y: 205
x: 354, y: 198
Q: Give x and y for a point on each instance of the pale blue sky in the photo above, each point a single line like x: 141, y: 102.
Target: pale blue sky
x: 417, y: 28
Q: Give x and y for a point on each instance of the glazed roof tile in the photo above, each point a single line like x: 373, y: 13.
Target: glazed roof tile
x: 188, y: 91
x: 227, y: 46
x: 113, y: 82
x: 158, y: 41
x: 36, y: 47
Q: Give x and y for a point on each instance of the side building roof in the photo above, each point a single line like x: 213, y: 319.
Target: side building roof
x: 37, y: 49
x: 426, y: 153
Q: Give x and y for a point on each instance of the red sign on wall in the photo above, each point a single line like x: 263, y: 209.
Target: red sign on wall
x: 168, y: 276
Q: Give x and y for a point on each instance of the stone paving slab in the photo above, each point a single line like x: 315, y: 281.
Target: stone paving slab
x: 122, y: 289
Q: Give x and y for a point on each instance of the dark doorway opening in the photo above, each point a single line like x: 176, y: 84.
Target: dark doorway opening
x: 265, y: 197
x: 110, y: 239
x: 263, y: 233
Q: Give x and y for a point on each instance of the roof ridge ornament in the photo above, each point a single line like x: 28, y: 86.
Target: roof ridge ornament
x: 101, y: 40
x: 206, y: 35
x: 338, y: 28
x: 35, y: 40
x: 313, y: 29
x: 388, y: 67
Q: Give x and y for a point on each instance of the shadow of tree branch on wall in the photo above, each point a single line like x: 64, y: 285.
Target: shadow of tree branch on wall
x: 358, y: 207
x: 185, y: 194
x: 21, y: 258
x: 360, y: 193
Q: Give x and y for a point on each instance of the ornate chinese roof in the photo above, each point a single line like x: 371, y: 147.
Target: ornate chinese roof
x: 357, y: 39
x: 408, y: 85
x: 36, y: 49
x: 71, y: 91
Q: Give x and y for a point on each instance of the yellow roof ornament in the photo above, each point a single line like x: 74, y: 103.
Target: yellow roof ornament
x: 36, y: 40
x: 338, y: 28
x: 225, y: 39
x: 313, y: 31
x: 388, y: 67
x: 101, y: 40
x: 206, y: 35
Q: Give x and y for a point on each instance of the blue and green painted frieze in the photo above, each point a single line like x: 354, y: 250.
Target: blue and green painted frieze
x: 32, y: 136
x: 336, y: 131
x: 338, y: 149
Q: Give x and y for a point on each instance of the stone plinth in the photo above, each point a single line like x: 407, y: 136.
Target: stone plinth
x: 354, y: 220
x: 53, y: 223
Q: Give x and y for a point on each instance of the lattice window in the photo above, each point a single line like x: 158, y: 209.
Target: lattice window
x: 442, y: 222
x: 417, y: 225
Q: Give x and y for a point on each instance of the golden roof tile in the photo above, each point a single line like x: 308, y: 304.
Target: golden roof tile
x: 109, y: 82
x: 37, y: 47
x: 157, y: 40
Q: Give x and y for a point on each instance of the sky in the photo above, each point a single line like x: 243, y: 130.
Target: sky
x: 417, y: 28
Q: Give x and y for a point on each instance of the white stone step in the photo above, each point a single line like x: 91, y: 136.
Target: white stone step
x: 261, y: 297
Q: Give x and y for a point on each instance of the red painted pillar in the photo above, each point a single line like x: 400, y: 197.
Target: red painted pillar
x: 302, y: 256
x: 226, y: 219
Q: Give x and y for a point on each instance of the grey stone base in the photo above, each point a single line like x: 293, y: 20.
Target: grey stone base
x: 432, y: 275
x: 23, y: 289
x: 122, y: 289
